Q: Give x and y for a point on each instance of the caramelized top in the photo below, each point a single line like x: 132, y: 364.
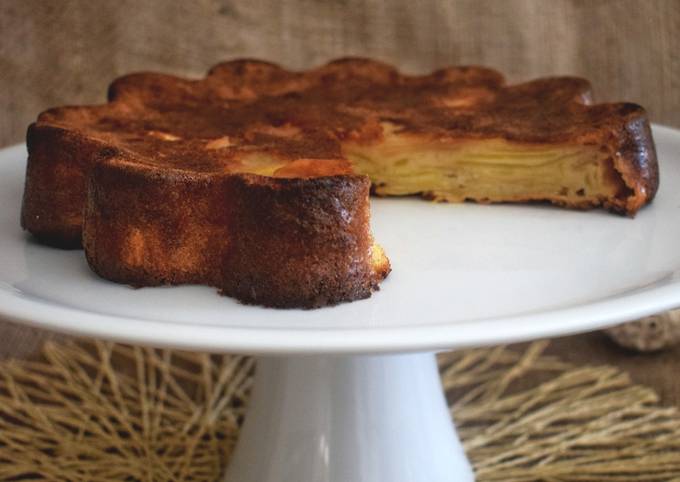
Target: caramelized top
x: 253, y: 116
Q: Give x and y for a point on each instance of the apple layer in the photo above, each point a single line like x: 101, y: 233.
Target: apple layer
x: 487, y: 170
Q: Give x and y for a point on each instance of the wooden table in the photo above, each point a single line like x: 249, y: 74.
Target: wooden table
x: 660, y: 371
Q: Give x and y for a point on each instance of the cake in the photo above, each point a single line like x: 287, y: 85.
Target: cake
x: 256, y: 179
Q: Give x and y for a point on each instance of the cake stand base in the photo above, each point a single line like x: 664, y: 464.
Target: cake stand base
x: 348, y: 419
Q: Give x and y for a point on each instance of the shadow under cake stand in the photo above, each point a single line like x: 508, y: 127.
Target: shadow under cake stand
x: 352, y: 393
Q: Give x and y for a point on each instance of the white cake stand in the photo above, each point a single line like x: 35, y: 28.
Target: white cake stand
x: 352, y: 393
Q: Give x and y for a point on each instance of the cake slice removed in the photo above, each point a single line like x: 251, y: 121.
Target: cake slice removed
x: 256, y: 179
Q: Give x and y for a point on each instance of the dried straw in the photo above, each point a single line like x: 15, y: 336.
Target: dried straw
x: 99, y: 411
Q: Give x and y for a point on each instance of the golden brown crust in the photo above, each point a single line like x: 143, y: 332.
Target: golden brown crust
x: 56, y: 176
x: 635, y: 159
x: 167, y: 162
x: 274, y: 242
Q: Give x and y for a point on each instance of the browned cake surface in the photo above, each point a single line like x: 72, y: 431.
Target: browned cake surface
x: 251, y: 178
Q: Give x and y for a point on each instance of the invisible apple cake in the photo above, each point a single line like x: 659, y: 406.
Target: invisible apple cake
x: 256, y: 179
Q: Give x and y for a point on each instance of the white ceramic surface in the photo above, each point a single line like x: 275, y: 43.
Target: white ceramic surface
x: 348, y: 419
x: 463, y: 275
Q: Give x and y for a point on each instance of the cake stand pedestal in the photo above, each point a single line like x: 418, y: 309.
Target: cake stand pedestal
x: 359, y: 418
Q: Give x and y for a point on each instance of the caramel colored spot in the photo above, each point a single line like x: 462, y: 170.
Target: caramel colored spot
x: 134, y: 250
x: 164, y: 136
x: 314, y: 168
x: 219, y: 143
x: 469, y: 97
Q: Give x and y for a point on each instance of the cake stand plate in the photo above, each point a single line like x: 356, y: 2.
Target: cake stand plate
x: 351, y: 393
